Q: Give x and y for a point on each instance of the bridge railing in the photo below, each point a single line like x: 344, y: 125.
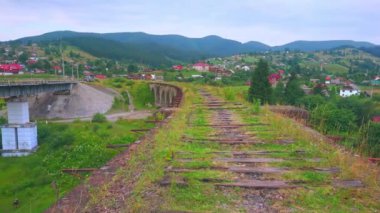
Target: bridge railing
x: 34, y: 81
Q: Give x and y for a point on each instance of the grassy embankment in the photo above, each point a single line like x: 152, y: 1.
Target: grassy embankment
x: 318, y: 194
x: 76, y: 145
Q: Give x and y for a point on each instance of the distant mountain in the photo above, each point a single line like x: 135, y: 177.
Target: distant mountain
x: 209, y: 45
x: 146, y: 53
x: 321, y: 45
x: 254, y: 45
x: 169, y: 49
x: 375, y: 50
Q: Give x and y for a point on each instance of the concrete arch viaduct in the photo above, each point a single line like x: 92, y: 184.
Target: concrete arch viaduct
x: 166, y: 95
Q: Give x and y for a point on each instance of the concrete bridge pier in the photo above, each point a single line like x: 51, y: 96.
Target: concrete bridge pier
x: 19, y: 136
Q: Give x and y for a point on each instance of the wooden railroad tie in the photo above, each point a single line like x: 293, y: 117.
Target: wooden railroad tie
x: 232, y: 125
x: 113, y: 146
x: 139, y: 130
x: 79, y: 170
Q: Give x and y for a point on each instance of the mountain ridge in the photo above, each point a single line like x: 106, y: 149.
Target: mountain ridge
x: 171, y: 48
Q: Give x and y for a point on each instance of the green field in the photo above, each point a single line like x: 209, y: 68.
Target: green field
x: 336, y: 69
x: 172, y: 75
x: 75, y: 145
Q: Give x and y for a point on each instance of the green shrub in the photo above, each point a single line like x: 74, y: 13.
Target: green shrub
x: 99, y: 118
x: 256, y: 106
x: 143, y: 97
x: 310, y: 102
x: 329, y: 118
x: 371, y: 139
x: 229, y: 94
x: 3, y: 120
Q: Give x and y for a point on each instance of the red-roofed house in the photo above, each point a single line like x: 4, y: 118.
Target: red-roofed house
x: 11, y: 68
x: 274, y: 78
x: 202, y: 67
x: 57, y: 68
x: 328, y: 80
x: 177, y: 67
x: 376, y: 119
x: 100, y: 76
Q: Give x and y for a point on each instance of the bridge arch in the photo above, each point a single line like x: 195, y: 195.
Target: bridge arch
x: 166, y: 95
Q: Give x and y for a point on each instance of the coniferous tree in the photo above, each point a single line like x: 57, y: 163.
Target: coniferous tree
x: 260, y: 88
x: 293, y: 91
x: 278, y: 93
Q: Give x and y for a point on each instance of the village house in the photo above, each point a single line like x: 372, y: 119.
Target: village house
x: 307, y: 90
x: 9, y: 69
x: 202, y: 67
x: 314, y: 80
x: 220, y: 71
x: 274, y: 78
x: 349, y: 90
x: 177, y: 67
x: 100, y: 76
x: 375, y: 81
x: 246, y: 68
x: 376, y: 119
x: 328, y: 80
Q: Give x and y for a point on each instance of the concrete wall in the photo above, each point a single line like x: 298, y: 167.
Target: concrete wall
x: 8, y: 138
x: 27, y: 137
x: 19, y: 137
x: 18, y: 112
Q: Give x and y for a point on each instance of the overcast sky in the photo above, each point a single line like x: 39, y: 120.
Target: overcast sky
x: 273, y: 22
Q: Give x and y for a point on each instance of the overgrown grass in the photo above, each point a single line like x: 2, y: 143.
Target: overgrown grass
x: 75, y: 145
x: 168, y: 147
x: 143, y: 97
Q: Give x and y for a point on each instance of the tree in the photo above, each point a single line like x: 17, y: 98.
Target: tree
x: 23, y: 57
x: 293, y: 91
x: 278, y: 93
x: 132, y: 68
x: 363, y: 108
x: 260, y: 87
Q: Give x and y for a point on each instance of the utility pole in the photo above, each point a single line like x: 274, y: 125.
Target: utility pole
x: 72, y: 71
x: 63, y: 62
x: 77, y: 72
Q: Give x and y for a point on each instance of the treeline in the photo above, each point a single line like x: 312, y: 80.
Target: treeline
x: 375, y: 50
x: 145, y: 53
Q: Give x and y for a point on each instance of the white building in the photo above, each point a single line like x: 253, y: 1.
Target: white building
x: 246, y: 68
x: 348, y: 91
x: 202, y: 67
